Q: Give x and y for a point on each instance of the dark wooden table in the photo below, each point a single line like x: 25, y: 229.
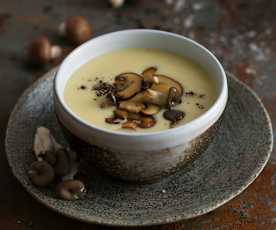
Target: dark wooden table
x: 241, y: 33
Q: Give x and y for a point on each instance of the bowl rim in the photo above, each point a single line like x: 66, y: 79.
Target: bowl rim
x: 221, y: 94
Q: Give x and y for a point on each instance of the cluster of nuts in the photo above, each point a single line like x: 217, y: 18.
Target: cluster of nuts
x: 137, y: 98
x: 75, y: 29
x: 54, y: 162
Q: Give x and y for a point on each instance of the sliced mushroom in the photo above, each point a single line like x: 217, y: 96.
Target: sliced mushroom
x: 150, y: 110
x: 119, y: 113
x: 165, y: 83
x: 173, y: 98
x: 41, y: 173
x: 127, y: 85
x: 173, y: 115
x: 133, y: 124
x: 155, y: 97
x: 147, y: 122
x: 134, y: 116
x: 148, y: 75
x: 70, y: 189
x: 132, y: 107
x: 112, y: 120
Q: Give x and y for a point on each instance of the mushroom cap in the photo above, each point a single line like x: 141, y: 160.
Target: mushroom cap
x: 70, y: 189
x: 148, y: 74
x: 41, y: 173
x: 39, y: 51
x: 165, y: 83
x: 127, y: 85
x: 77, y: 30
x: 132, y: 107
x: 173, y: 115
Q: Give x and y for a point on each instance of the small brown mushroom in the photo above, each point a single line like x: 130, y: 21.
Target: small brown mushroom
x: 63, y: 162
x: 50, y: 157
x: 70, y: 189
x: 132, y: 107
x: 147, y: 122
x: 41, y: 173
x: 148, y: 75
x: 117, y: 3
x: 41, y: 51
x: 127, y: 85
x: 119, y: 113
x: 132, y: 124
x: 150, y: 110
x: 76, y: 29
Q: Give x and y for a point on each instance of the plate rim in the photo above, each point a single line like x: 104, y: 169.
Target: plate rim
x: 147, y: 222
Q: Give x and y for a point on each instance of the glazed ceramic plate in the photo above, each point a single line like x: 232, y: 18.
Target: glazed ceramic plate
x: 232, y: 162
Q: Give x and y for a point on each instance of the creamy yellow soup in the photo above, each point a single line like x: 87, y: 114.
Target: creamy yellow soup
x: 199, y: 90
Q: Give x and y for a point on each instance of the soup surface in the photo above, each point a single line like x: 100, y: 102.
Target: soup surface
x: 86, y: 95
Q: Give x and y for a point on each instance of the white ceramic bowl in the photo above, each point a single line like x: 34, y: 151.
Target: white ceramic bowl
x: 130, y: 153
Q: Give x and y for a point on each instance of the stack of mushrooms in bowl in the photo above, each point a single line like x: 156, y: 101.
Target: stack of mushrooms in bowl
x: 137, y: 98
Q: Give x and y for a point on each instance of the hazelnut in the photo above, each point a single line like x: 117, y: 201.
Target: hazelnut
x: 76, y: 30
x: 41, y: 51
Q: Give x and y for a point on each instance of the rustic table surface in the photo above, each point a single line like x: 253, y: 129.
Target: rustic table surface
x: 241, y: 33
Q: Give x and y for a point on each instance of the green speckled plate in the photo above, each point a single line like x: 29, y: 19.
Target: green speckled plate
x: 232, y: 162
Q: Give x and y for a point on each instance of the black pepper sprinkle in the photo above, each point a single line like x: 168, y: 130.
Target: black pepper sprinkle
x: 83, y: 87
x: 193, y: 94
x: 190, y: 93
x: 199, y: 106
x: 103, y: 88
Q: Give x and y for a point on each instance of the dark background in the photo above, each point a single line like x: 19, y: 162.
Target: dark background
x: 242, y: 34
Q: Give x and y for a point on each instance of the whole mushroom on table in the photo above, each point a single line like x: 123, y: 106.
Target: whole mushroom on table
x: 55, y: 162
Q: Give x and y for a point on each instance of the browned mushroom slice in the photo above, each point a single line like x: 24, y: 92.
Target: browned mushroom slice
x: 130, y: 124
x: 147, y: 122
x: 173, y: 115
x: 132, y: 107
x: 127, y: 85
x: 119, y: 113
x: 155, y: 97
x: 150, y: 110
x: 148, y: 75
x: 165, y: 83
